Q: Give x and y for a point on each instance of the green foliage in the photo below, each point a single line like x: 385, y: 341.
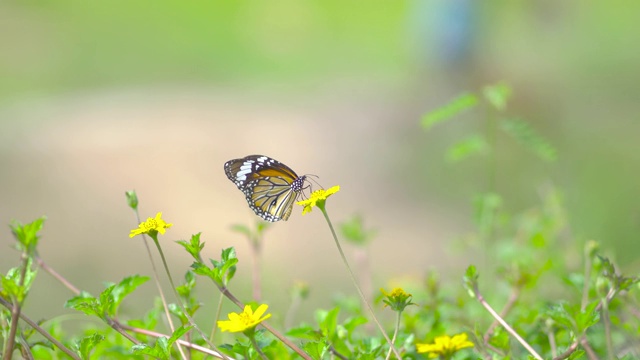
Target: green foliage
x: 162, y: 347
x: 193, y: 247
x: 27, y: 234
x: 496, y: 98
x: 448, y: 111
x: 222, y: 271
x: 522, y: 132
x: 543, y: 293
x: 465, y: 148
x: 353, y: 231
x: 87, y: 344
x: 106, y: 305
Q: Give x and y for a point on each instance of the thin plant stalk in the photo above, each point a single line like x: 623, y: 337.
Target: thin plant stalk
x: 505, y: 325
x: 215, y: 321
x: 355, y: 282
x: 16, y: 308
x: 256, y: 347
x: 395, y: 332
x: 114, y: 324
x: 224, y: 290
x: 175, y: 292
x: 160, y: 291
x: 256, y: 252
x: 184, y: 343
x: 42, y: 331
x: 607, y: 329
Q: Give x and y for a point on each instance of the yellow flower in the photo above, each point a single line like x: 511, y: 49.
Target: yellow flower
x: 398, y: 299
x: 248, y: 319
x: 445, y: 346
x: 317, y: 198
x: 150, y: 225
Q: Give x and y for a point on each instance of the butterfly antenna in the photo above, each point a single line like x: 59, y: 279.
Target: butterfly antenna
x: 311, y: 177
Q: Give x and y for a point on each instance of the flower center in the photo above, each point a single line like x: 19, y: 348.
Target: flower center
x: 150, y: 224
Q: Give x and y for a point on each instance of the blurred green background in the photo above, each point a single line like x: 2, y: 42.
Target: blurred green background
x: 97, y: 98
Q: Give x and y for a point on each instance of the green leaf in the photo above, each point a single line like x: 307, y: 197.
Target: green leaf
x: 132, y: 199
x: 352, y: 323
x: 116, y: 293
x: 473, y: 145
x: 526, y: 136
x: 11, y: 287
x: 354, y: 232
x: 27, y: 234
x: 203, y: 270
x: 497, y: 95
x: 178, y: 334
x: 305, y: 332
x: 185, y: 289
x: 328, y: 321
x: 316, y: 349
x: 588, y: 317
x: 446, y: 112
x: 241, y: 229
x: 194, y: 246
x: 261, y: 227
x: 578, y: 354
x: 87, y: 344
x: 86, y: 304
x: 470, y: 280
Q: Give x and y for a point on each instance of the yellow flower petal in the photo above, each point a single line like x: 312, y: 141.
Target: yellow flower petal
x: 247, y: 319
x: 152, y: 224
x: 445, y: 345
x: 317, y: 197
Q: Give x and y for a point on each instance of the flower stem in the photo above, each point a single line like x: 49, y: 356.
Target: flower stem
x: 256, y: 252
x: 506, y: 326
x: 224, y: 290
x: 156, y: 279
x: 42, y: 332
x: 215, y: 321
x: 178, y: 300
x: 252, y: 337
x: 395, y: 332
x: 355, y: 282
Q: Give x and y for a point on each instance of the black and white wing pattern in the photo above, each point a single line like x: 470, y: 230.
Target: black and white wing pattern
x: 270, y: 187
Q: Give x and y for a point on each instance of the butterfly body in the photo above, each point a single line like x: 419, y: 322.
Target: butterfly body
x: 270, y: 187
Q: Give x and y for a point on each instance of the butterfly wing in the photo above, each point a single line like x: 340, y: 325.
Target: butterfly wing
x: 270, y: 187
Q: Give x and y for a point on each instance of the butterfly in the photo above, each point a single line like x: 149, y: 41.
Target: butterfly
x: 269, y: 186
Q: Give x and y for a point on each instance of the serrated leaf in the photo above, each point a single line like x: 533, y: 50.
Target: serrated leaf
x: 497, y: 95
x: 241, y: 229
x: 526, y: 136
x: 353, y: 231
x: 470, y: 280
x: 352, y: 323
x: 473, y: 145
x: 160, y: 349
x: 328, y: 322
x: 86, y: 304
x: 194, y: 246
x: 588, y: 317
x: 88, y: 343
x: 448, y: 111
x: 11, y: 287
x: 27, y: 234
x: 305, y: 332
x: 178, y: 334
x: 315, y: 349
